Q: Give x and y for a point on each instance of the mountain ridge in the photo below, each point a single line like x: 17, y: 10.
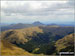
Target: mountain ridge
x: 37, y: 40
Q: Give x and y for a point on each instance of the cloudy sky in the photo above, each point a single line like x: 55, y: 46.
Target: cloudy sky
x: 31, y: 11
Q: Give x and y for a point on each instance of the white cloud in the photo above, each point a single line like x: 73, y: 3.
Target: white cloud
x: 29, y: 11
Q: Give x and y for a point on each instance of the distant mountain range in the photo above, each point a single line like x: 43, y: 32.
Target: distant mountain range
x: 3, y: 24
x: 22, y: 25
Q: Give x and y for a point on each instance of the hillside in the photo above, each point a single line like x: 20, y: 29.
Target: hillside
x: 46, y: 33
x: 66, y: 43
x: 37, y: 40
x: 20, y: 35
x: 10, y: 49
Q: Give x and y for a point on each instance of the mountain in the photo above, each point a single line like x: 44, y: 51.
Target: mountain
x: 37, y: 40
x: 62, y: 25
x: 10, y: 49
x: 16, y: 26
x: 66, y: 43
x: 3, y: 24
x: 20, y: 26
x: 37, y: 23
x: 5, y: 27
x: 54, y: 25
x: 23, y: 35
x: 20, y: 35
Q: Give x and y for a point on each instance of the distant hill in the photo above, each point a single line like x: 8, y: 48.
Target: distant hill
x: 52, y: 24
x: 20, y: 26
x: 37, y: 23
x: 5, y: 27
x: 3, y: 24
x: 16, y: 26
x: 63, y: 24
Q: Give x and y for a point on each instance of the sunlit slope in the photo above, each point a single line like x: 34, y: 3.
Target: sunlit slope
x: 20, y: 35
x: 41, y: 40
x: 66, y: 43
x: 10, y: 49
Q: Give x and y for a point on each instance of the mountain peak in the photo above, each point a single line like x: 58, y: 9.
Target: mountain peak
x: 37, y: 23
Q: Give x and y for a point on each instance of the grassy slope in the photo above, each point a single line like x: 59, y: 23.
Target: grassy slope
x: 11, y: 49
x: 20, y: 35
x: 65, y: 42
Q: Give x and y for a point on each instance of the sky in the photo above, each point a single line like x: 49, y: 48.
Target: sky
x: 43, y: 11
